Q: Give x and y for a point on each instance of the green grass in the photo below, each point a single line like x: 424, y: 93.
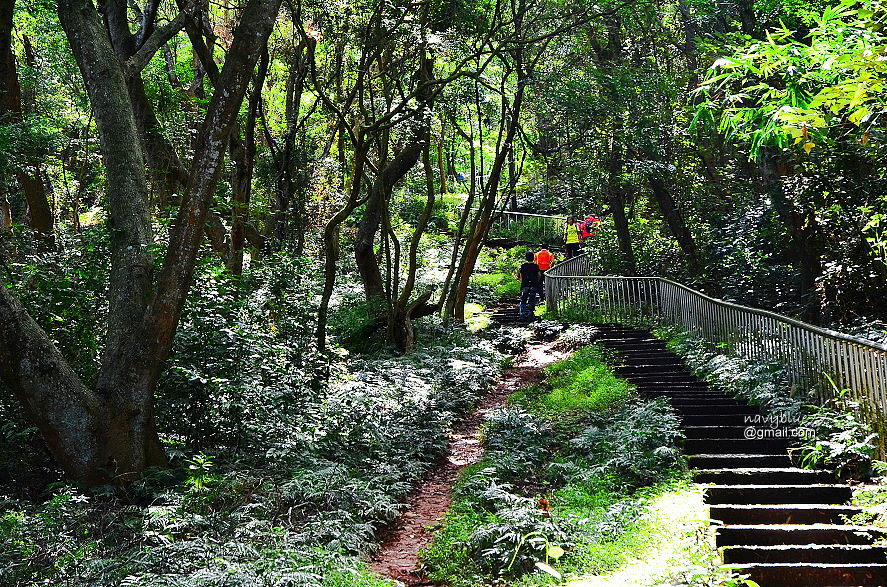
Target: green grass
x: 573, y: 387
x: 475, y: 317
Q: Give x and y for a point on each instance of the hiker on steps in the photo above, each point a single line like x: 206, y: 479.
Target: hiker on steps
x: 572, y: 237
x: 529, y: 276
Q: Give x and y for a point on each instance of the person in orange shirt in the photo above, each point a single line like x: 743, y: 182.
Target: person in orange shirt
x: 544, y: 259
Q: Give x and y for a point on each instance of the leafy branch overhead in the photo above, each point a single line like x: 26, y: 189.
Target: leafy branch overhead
x: 824, y: 86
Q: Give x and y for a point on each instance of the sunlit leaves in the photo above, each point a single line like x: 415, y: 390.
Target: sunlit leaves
x: 773, y: 91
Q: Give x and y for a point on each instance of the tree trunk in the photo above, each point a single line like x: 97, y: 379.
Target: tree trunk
x: 675, y: 221
x: 376, y: 207
x: 441, y: 162
x: 29, y: 177
x: 129, y: 214
x: 450, y: 287
x: 491, y: 187
x: 243, y: 153
x: 400, y: 323
x: 331, y: 241
x: 71, y: 418
x: 803, y: 232
x: 5, y: 211
x: 617, y: 200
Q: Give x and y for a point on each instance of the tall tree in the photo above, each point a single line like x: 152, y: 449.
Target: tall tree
x: 107, y: 432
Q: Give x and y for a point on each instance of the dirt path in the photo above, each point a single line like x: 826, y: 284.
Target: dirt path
x: 398, y: 559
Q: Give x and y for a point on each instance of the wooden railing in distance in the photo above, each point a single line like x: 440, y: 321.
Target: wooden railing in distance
x: 811, y: 354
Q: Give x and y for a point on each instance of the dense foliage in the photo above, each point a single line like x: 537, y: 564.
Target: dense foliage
x: 239, y: 241
x: 285, y: 463
x: 561, y: 485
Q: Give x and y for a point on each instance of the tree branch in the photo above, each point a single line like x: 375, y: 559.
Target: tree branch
x: 158, y: 39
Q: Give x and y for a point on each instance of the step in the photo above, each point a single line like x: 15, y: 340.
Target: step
x: 693, y: 446
x: 701, y: 396
x: 715, y: 405
x: 777, y: 494
x: 688, y: 390
x: 700, y: 409
x: 740, y: 461
x: 810, y: 553
x: 682, y: 399
x: 772, y: 534
x: 816, y: 513
x: 671, y: 386
x: 653, y: 371
x: 660, y: 379
x: 810, y: 574
x: 652, y: 360
x: 717, y: 431
x: 715, y: 420
x: 621, y: 331
x: 763, y: 476
x: 630, y: 338
x: 630, y: 348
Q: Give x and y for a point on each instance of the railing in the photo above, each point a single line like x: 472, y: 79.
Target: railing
x: 536, y: 228
x: 811, y: 354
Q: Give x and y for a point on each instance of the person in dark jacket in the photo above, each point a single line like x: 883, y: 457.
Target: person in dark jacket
x: 529, y: 275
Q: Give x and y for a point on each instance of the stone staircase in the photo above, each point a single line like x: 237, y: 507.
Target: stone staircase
x: 779, y: 524
x: 506, y: 312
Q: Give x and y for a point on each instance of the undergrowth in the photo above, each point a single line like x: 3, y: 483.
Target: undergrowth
x: 570, y: 466
x: 284, y: 462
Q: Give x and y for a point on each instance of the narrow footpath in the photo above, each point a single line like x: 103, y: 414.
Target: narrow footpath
x: 398, y: 558
x: 779, y: 524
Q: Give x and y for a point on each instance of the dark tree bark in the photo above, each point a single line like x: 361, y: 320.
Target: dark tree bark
x: 243, y: 153
x: 508, y: 131
x: 616, y: 199
x: 5, y: 211
x: 129, y: 214
x: 376, y: 207
x: 689, y: 48
x: 609, y: 52
x: 675, y: 221
x: 805, y: 242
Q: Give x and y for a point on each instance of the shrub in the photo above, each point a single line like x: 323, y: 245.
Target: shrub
x: 840, y: 441
x: 636, y: 445
x: 518, y: 443
x: 762, y: 383
x: 504, y: 285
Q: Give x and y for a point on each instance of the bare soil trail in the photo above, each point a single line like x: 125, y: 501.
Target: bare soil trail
x: 398, y: 558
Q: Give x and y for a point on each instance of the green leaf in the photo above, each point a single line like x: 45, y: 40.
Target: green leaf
x: 555, y: 552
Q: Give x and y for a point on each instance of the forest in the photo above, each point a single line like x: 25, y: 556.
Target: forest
x: 251, y: 253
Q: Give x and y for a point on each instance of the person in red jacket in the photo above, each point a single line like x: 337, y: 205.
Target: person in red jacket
x: 590, y: 226
x: 544, y: 259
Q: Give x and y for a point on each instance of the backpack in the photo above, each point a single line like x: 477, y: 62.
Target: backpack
x: 591, y: 225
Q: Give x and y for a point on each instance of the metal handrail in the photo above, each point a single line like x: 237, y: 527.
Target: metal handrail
x: 461, y: 207
x: 810, y: 353
x: 538, y: 228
